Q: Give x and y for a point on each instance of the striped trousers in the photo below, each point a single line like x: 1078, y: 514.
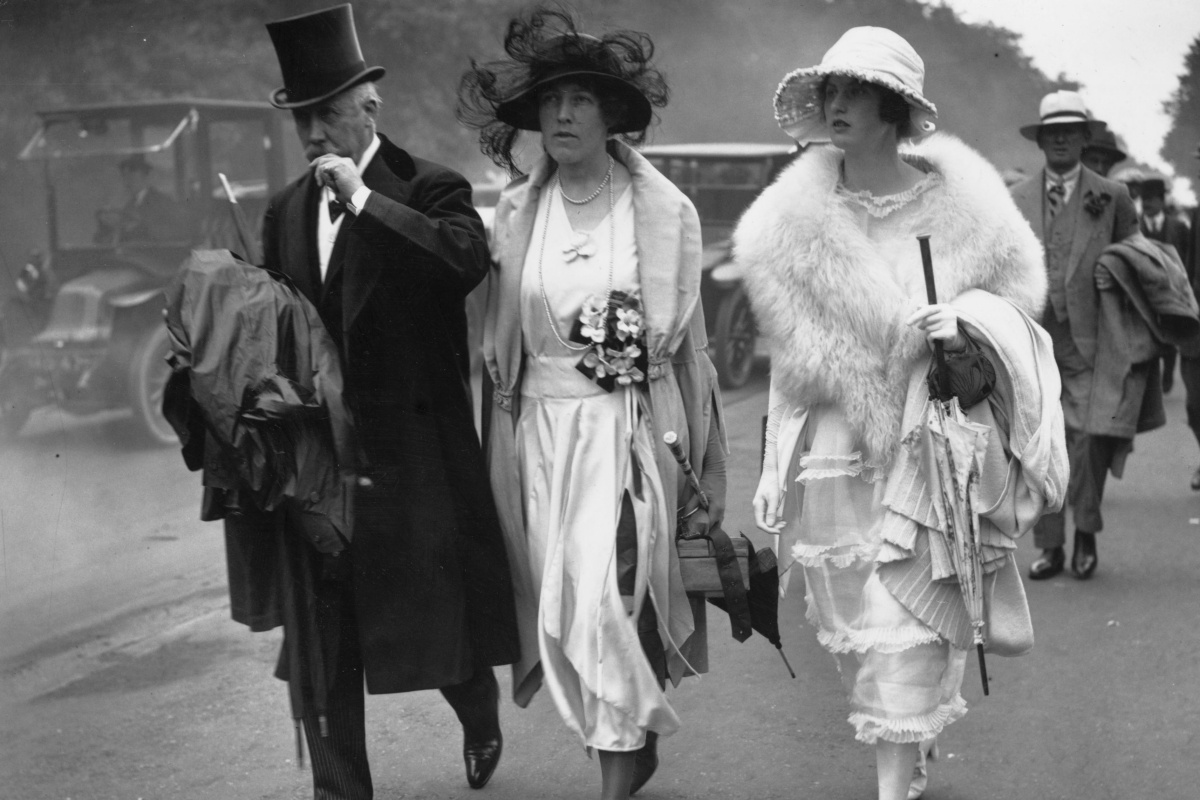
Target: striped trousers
x: 339, y: 759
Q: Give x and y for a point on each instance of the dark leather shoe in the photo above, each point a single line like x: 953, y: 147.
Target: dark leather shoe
x: 1049, y: 564
x: 645, y: 762
x: 481, y: 759
x: 1083, y: 559
x: 1196, y: 480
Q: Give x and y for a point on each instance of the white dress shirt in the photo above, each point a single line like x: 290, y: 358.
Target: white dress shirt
x: 327, y: 229
x: 1069, y: 181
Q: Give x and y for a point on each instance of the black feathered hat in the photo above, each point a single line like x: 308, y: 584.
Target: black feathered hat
x: 577, y: 56
x: 319, y: 57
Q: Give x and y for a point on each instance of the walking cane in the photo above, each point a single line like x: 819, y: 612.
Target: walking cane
x: 239, y: 222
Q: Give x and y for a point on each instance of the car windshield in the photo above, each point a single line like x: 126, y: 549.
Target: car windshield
x: 115, y: 179
x: 721, y: 189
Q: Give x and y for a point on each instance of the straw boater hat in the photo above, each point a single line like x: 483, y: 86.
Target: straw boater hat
x: 319, y: 57
x: 574, y: 56
x: 873, y: 55
x: 1062, y: 108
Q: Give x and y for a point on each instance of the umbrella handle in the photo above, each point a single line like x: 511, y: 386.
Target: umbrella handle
x: 939, y: 353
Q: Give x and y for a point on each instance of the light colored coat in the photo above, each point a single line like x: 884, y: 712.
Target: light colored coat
x: 683, y: 396
x: 1093, y: 233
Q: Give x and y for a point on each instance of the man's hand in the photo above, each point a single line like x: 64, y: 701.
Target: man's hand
x: 339, y: 174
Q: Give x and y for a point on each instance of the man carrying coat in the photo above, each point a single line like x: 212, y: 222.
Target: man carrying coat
x: 1076, y: 214
x: 387, y: 246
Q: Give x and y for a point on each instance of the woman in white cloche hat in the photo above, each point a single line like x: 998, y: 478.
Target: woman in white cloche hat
x: 833, y: 268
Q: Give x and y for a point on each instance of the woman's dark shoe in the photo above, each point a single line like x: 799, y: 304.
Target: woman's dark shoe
x: 481, y: 759
x: 645, y: 761
x: 1049, y: 564
x: 1084, y: 560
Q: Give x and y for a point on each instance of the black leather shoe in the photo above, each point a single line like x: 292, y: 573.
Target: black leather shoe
x: 1196, y: 480
x: 481, y: 759
x: 1083, y: 559
x: 645, y: 762
x: 1049, y: 564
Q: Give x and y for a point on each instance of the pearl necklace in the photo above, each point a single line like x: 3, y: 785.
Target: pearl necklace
x: 593, y: 195
x: 612, y: 250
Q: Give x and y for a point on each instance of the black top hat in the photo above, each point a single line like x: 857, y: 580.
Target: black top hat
x: 319, y: 56
x: 575, y: 56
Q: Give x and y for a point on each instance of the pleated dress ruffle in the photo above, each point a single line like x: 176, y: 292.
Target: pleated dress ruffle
x: 902, y: 678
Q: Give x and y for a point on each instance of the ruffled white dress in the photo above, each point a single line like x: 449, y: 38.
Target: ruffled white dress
x: 902, y: 677
x: 576, y: 449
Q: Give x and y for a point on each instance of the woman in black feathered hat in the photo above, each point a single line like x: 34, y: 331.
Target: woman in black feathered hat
x: 595, y: 343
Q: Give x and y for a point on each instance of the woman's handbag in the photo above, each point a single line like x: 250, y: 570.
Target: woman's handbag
x: 1006, y: 611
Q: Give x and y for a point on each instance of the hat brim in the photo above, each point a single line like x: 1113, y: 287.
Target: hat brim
x: 798, y: 106
x: 1030, y: 132
x: 279, y: 97
x: 521, y: 110
x: 1119, y: 155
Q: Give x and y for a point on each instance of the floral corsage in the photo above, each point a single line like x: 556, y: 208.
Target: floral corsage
x: 614, y: 330
x: 1094, y: 204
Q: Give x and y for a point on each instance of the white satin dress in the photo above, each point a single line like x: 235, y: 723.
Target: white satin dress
x: 574, y: 446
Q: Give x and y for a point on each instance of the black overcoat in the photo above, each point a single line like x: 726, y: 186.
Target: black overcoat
x: 432, y: 587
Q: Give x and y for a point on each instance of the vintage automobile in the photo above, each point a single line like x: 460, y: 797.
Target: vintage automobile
x: 722, y: 179
x: 131, y: 189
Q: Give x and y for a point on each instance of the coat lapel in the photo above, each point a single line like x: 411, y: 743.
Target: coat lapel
x: 300, y: 214
x: 389, y: 174
x: 1085, y: 224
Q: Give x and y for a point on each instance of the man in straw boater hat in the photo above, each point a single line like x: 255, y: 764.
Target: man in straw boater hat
x: 387, y: 246
x: 1076, y: 214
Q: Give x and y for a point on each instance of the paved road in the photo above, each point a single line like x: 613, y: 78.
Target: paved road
x: 138, y: 686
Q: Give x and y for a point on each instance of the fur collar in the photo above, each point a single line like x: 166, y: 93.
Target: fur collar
x: 828, y: 303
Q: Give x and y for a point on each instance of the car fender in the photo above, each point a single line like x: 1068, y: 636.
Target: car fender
x: 726, y: 275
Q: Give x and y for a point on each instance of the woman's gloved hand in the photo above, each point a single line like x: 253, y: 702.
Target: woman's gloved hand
x: 768, y: 503
x: 939, y: 323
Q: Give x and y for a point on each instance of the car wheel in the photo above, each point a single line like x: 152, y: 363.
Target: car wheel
x: 148, y: 375
x: 16, y: 405
x: 734, y: 339
x: 14, y: 413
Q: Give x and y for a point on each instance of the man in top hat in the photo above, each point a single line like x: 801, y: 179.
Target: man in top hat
x: 1076, y: 214
x: 1161, y: 225
x: 387, y: 246
x: 149, y: 215
x: 1102, y: 152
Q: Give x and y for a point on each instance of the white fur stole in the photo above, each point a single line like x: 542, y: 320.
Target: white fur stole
x: 827, y: 302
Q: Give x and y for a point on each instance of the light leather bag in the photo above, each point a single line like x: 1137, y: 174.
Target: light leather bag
x: 1006, y: 611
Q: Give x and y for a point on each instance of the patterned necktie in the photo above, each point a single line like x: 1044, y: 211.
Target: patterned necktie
x: 1054, y: 197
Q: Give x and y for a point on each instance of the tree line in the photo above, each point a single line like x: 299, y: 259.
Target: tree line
x: 722, y: 60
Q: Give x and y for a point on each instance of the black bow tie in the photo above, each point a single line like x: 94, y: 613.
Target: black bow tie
x: 336, y: 209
